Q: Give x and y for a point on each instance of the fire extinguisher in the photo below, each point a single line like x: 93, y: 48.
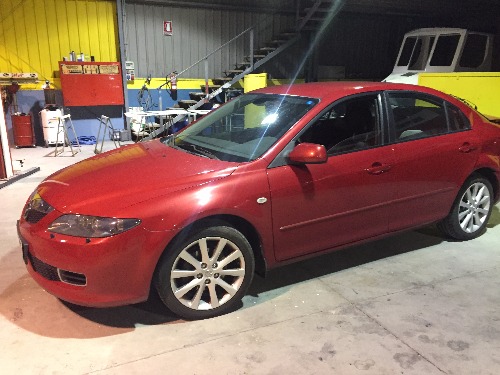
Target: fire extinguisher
x: 173, y: 85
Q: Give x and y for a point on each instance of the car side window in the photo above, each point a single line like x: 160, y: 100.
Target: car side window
x: 349, y: 125
x: 458, y: 121
x: 417, y: 116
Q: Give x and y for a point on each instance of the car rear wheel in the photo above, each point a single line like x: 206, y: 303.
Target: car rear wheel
x: 206, y: 274
x: 471, y: 210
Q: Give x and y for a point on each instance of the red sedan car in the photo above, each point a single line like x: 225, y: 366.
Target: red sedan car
x: 271, y: 177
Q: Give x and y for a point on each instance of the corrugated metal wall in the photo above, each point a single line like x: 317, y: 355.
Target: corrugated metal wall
x: 36, y: 34
x: 196, y: 33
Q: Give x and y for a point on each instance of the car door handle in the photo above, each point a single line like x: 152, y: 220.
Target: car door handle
x: 467, y: 147
x: 378, y: 168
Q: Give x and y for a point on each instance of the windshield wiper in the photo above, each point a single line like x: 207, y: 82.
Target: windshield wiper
x: 193, y: 149
x: 168, y: 140
x: 203, y: 152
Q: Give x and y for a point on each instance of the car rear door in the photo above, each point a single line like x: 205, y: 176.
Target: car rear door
x: 434, y: 152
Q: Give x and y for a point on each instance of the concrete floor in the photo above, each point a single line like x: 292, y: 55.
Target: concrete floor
x: 410, y: 304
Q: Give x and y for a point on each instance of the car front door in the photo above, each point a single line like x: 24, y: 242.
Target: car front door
x: 320, y: 206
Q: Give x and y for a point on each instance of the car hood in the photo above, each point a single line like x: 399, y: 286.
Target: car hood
x: 109, y: 182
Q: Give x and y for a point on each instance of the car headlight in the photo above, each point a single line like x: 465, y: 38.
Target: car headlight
x: 91, y: 226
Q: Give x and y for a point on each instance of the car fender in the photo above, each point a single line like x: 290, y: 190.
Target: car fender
x: 244, y: 194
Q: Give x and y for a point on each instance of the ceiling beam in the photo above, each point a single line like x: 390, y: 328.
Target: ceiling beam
x: 215, y: 6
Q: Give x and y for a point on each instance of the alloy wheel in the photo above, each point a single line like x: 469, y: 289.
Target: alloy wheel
x: 474, y: 207
x: 207, y: 273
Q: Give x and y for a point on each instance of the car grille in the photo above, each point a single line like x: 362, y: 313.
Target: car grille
x: 56, y: 274
x: 46, y: 270
x: 33, y: 216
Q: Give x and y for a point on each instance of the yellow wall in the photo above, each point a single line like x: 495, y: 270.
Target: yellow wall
x: 195, y: 83
x: 480, y: 88
x: 36, y: 34
x: 182, y: 83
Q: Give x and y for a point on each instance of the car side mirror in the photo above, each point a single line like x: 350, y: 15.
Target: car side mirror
x: 308, y: 153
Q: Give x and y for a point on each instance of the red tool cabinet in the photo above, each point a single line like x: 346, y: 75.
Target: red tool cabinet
x: 91, y: 83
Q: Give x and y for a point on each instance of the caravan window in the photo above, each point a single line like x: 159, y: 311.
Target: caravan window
x: 404, y: 59
x: 445, y: 50
x: 474, y: 51
x: 415, y: 52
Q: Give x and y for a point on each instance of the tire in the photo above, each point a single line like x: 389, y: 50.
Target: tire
x: 207, y: 274
x: 470, y: 211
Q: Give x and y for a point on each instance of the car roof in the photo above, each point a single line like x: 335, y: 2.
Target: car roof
x: 338, y: 89
x: 328, y: 92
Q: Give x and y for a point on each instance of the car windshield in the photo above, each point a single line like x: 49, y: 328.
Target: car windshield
x: 243, y: 129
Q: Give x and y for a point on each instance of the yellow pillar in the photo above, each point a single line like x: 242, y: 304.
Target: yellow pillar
x: 254, y: 114
x: 254, y: 81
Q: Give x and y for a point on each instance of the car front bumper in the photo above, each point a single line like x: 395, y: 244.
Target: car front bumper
x: 99, y: 272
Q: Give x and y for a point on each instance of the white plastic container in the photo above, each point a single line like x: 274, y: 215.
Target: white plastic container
x: 50, y: 122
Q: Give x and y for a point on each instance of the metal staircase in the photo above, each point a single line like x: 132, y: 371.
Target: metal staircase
x: 308, y: 20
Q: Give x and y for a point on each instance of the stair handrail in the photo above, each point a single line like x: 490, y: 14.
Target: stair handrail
x: 250, y: 29
x: 252, y: 66
x: 235, y: 79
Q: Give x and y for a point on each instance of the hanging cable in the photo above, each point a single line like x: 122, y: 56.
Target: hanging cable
x: 144, y: 96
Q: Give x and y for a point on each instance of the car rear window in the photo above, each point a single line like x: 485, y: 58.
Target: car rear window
x: 417, y: 116
x: 458, y: 120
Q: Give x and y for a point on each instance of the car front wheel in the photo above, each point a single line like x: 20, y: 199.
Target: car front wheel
x: 206, y: 274
x: 471, y: 210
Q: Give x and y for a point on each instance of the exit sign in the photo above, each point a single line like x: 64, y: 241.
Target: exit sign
x: 167, y: 28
